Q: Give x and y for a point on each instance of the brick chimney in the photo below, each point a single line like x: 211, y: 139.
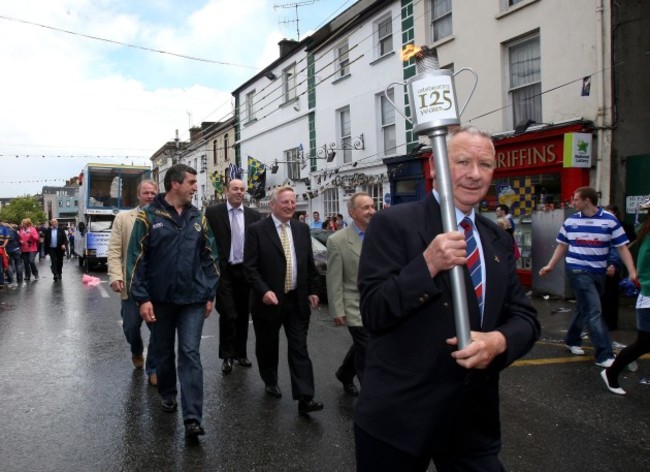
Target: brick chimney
x: 195, y: 133
x: 286, y: 46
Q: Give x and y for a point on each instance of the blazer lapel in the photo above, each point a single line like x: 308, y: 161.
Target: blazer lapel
x: 273, y: 234
x: 432, y: 226
x: 353, y: 240
x: 223, y: 216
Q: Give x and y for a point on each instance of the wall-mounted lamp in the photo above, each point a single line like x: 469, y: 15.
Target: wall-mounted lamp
x: 270, y: 75
x: 327, y: 151
x: 274, y: 167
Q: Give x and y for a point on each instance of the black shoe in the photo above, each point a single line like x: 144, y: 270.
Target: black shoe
x: 193, y: 429
x: 226, y: 367
x: 307, y: 405
x: 273, y: 390
x: 348, y: 385
x: 169, y: 406
x: 244, y: 362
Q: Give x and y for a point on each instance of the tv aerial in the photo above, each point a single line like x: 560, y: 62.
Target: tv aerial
x: 294, y: 5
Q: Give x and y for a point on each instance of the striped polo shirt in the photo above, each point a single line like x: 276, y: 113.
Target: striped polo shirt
x: 589, y: 239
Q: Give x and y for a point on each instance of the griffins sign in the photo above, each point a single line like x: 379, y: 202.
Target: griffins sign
x: 577, y: 150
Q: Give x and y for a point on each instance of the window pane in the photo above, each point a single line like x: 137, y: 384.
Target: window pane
x: 344, y: 60
x: 527, y: 104
x: 441, y: 19
x: 390, y: 142
x: 346, y: 129
x: 525, y: 63
x: 387, y: 110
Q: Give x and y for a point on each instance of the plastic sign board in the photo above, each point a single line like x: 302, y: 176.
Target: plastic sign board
x: 578, y: 149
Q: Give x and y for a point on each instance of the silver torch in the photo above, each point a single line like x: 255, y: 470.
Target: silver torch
x: 434, y: 108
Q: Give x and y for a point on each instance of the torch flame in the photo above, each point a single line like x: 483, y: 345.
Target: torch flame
x: 409, y: 51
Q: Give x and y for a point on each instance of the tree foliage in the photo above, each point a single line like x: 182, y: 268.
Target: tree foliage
x: 23, y: 207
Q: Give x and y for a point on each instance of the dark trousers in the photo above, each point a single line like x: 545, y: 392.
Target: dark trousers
x: 267, y: 345
x: 374, y: 455
x: 609, y: 300
x: 56, y: 259
x: 355, y: 359
x: 232, y: 305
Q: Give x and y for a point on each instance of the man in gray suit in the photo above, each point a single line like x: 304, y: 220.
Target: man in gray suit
x: 343, y: 251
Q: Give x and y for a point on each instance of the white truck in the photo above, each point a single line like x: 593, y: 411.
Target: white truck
x: 104, y: 191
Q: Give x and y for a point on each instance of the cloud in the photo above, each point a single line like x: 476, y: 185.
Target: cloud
x: 67, y: 95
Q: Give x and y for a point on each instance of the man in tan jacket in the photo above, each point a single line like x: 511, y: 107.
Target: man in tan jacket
x: 117, y: 249
x: 343, y: 251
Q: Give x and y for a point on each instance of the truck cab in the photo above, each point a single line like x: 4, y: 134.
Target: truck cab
x: 104, y: 191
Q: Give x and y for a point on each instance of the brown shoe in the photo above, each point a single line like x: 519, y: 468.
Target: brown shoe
x: 138, y: 361
x: 153, y: 380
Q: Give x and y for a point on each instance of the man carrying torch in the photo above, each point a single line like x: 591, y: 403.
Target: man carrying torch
x: 425, y: 397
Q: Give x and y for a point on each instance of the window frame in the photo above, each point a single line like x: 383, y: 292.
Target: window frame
x: 522, y: 111
x: 250, y: 106
x: 345, y: 132
x: 289, y: 83
x: 343, y: 59
x: 438, y: 20
x: 387, y: 125
x: 331, y: 201
x: 387, y: 20
x: 292, y: 158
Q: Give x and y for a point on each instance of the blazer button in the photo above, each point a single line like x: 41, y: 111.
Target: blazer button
x: 445, y: 304
x: 421, y: 300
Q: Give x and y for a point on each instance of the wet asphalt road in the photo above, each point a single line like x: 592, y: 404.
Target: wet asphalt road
x: 70, y: 399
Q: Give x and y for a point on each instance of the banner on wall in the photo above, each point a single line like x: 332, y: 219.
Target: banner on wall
x: 577, y: 149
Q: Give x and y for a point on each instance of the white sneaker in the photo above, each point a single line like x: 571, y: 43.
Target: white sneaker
x: 633, y: 366
x: 616, y: 346
x: 617, y: 390
x: 576, y: 350
x: 607, y: 363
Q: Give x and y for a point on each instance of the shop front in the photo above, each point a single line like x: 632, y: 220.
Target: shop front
x: 536, y: 176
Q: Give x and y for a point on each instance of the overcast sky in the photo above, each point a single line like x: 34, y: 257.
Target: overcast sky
x: 67, y: 100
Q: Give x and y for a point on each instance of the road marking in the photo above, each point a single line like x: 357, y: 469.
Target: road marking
x: 103, y: 291
x: 560, y: 360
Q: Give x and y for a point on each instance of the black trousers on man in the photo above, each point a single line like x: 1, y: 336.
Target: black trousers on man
x: 355, y: 359
x: 267, y: 345
x: 56, y: 259
x: 232, y: 305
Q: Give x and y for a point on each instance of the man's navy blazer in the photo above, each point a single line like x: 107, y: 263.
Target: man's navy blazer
x: 415, y: 396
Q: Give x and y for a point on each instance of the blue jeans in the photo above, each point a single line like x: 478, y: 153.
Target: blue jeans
x: 187, y: 320
x: 587, y: 287
x: 131, y: 323
x: 16, y: 266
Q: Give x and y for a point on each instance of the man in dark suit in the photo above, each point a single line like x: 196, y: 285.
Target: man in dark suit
x: 279, y: 266
x: 423, y: 399
x: 228, y: 222
x: 56, y: 243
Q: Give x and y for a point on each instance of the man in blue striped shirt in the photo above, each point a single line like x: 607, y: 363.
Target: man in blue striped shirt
x: 584, y: 240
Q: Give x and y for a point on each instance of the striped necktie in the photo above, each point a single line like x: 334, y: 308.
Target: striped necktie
x: 286, y: 246
x: 473, y: 262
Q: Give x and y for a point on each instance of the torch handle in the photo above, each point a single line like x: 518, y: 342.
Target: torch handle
x: 449, y: 223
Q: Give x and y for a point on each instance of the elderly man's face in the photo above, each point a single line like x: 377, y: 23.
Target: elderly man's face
x: 471, y: 163
x: 284, y: 206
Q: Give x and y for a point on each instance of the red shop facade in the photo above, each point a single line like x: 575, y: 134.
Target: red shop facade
x: 531, y: 177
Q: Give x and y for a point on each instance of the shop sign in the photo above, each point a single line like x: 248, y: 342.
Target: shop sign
x: 632, y: 203
x: 532, y: 155
x: 577, y: 150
